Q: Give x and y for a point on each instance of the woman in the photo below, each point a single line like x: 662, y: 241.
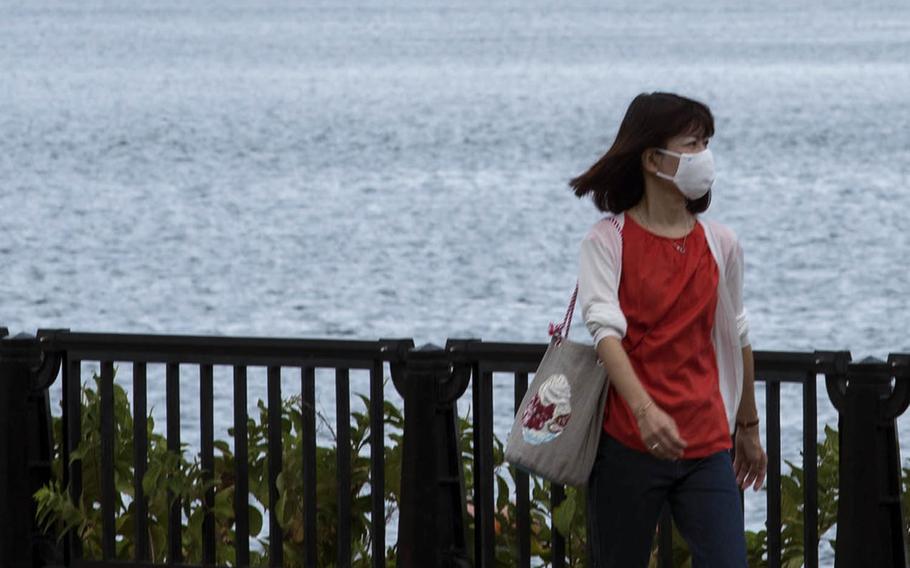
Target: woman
x: 660, y: 291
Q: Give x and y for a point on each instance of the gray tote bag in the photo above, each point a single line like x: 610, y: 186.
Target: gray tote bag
x: 557, y: 427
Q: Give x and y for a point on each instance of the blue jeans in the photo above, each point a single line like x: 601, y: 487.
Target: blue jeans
x: 627, y: 491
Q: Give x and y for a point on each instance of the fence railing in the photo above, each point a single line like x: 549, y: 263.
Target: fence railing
x: 772, y: 368
x: 427, y: 376
x: 305, y: 356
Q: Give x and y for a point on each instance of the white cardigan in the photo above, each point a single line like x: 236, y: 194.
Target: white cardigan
x: 600, y: 267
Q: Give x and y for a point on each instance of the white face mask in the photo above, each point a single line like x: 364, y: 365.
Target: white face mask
x: 695, y: 173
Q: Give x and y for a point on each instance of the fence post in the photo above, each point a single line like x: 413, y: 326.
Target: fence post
x: 869, y: 519
x: 20, y: 357
x: 431, y: 528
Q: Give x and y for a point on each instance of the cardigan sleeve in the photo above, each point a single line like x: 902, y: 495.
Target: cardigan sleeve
x: 735, y: 268
x: 598, y: 287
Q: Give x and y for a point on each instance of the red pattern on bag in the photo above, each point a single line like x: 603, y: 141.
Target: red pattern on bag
x: 536, y: 415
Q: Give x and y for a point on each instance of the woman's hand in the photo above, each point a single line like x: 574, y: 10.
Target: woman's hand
x: 659, y: 434
x: 750, y: 463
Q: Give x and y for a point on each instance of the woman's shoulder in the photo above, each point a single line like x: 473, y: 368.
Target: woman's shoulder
x: 724, y: 234
x: 724, y: 238
x: 608, y: 228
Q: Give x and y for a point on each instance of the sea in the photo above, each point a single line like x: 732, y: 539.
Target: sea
x: 369, y: 169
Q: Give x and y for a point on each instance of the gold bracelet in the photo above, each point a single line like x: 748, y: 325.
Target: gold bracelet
x: 641, y: 410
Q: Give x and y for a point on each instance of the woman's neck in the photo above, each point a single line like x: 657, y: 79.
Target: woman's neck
x: 663, y: 208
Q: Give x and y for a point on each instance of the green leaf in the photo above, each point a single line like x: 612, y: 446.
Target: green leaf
x: 255, y: 521
x: 563, y: 515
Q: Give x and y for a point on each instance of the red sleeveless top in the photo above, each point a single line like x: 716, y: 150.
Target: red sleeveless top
x: 669, y: 299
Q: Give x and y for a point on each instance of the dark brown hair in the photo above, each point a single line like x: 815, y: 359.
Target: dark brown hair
x: 616, y: 179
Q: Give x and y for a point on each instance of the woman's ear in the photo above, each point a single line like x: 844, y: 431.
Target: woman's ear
x: 649, y: 161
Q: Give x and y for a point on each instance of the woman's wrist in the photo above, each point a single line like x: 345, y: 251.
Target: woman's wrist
x: 745, y: 424
x: 747, y: 416
x: 642, y: 408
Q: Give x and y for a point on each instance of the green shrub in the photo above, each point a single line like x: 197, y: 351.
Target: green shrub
x: 174, y: 472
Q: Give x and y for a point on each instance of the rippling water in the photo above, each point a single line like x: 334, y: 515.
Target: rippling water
x: 377, y: 170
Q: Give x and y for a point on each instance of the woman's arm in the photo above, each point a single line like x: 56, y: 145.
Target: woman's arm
x: 748, y: 411
x: 750, y: 462
x: 654, y: 425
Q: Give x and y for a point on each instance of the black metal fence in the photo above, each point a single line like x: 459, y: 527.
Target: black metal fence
x: 431, y: 380
x: 176, y: 352
x: 772, y: 368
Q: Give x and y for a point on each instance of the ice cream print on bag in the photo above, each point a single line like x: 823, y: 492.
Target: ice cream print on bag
x: 548, y: 412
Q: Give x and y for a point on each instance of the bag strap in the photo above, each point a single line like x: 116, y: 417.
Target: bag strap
x: 562, y: 330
